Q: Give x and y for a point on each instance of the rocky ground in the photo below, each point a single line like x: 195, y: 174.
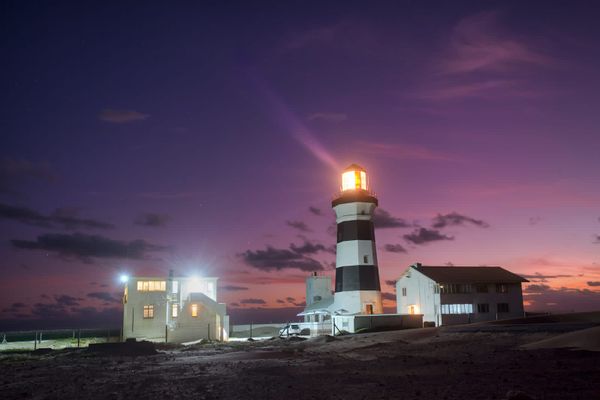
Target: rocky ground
x: 431, y: 363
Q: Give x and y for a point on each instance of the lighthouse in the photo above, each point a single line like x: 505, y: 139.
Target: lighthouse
x: 357, y: 287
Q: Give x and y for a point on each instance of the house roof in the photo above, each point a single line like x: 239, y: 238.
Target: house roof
x: 469, y: 274
x: 318, y: 307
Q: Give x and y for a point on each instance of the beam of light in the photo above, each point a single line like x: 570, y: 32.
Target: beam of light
x: 294, y: 126
x: 124, y: 278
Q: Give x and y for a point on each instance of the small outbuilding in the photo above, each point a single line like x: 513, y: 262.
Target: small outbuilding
x: 458, y: 295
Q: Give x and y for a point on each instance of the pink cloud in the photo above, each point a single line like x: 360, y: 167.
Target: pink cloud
x: 478, y: 44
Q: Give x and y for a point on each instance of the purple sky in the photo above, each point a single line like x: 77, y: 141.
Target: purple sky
x: 210, y: 140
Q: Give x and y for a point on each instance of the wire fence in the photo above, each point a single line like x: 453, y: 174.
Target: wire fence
x: 57, y: 338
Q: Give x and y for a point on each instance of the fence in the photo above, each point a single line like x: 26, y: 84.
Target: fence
x: 57, y: 338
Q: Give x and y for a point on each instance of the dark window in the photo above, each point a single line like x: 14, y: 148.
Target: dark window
x: 501, y: 288
x: 366, y: 259
x: 355, y: 230
x: 403, y: 291
x: 502, y: 307
x: 451, y: 288
x: 481, y: 288
x: 483, y: 308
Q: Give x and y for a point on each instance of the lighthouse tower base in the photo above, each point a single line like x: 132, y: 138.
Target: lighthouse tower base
x: 358, y: 302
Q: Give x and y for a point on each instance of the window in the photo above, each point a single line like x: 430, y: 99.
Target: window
x: 451, y: 288
x: 174, y: 310
x: 194, y: 310
x: 481, y: 288
x: 369, y: 308
x: 148, y: 311
x: 175, y: 287
x: 151, y: 286
x: 457, y: 308
x: 366, y: 259
x: 483, y: 308
x: 501, y: 288
x: 211, y: 289
x: 502, y: 307
x: 403, y: 291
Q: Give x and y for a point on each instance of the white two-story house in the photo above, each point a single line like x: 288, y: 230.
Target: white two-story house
x: 458, y: 295
x: 173, y: 309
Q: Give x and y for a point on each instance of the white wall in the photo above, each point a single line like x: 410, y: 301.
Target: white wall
x: 211, y: 320
x: 420, y: 292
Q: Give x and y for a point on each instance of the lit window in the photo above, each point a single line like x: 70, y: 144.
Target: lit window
x: 457, y: 308
x: 174, y: 310
x: 151, y: 286
x: 148, y: 311
x: 194, y: 310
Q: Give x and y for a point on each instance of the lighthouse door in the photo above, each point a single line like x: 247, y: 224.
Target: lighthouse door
x: 368, y: 308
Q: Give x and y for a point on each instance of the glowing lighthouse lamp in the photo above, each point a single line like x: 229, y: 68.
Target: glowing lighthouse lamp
x: 357, y: 287
x: 354, y: 177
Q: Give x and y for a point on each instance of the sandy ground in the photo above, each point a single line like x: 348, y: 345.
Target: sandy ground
x: 433, y: 363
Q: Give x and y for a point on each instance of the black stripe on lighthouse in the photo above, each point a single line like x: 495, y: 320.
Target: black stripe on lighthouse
x: 357, y: 277
x: 355, y: 230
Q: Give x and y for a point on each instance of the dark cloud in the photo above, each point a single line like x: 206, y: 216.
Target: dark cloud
x: 252, y: 301
x: 233, y: 288
x: 280, y: 301
x: 593, y: 283
x: 15, y: 308
x: 394, y: 248
x: 424, y: 235
x: 537, y: 277
x: 391, y: 282
x: 388, y: 296
x: 564, y: 299
x: 597, y: 239
x: 534, y: 220
x: 234, y: 304
x: 152, y: 220
x: 383, y: 219
x: 60, y: 218
x: 456, y: 219
x: 536, y: 288
x: 84, y: 246
x: 121, y: 116
x: 301, y: 226
x: 290, y: 299
x: 105, y: 296
x: 14, y: 172
x: 308, y: 248
x: 294, y: 257
x: 279, y: 259
x: 315, y: 210
x: 66, y: 300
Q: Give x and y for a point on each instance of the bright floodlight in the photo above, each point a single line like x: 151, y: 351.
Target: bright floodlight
x: 124, y: 278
